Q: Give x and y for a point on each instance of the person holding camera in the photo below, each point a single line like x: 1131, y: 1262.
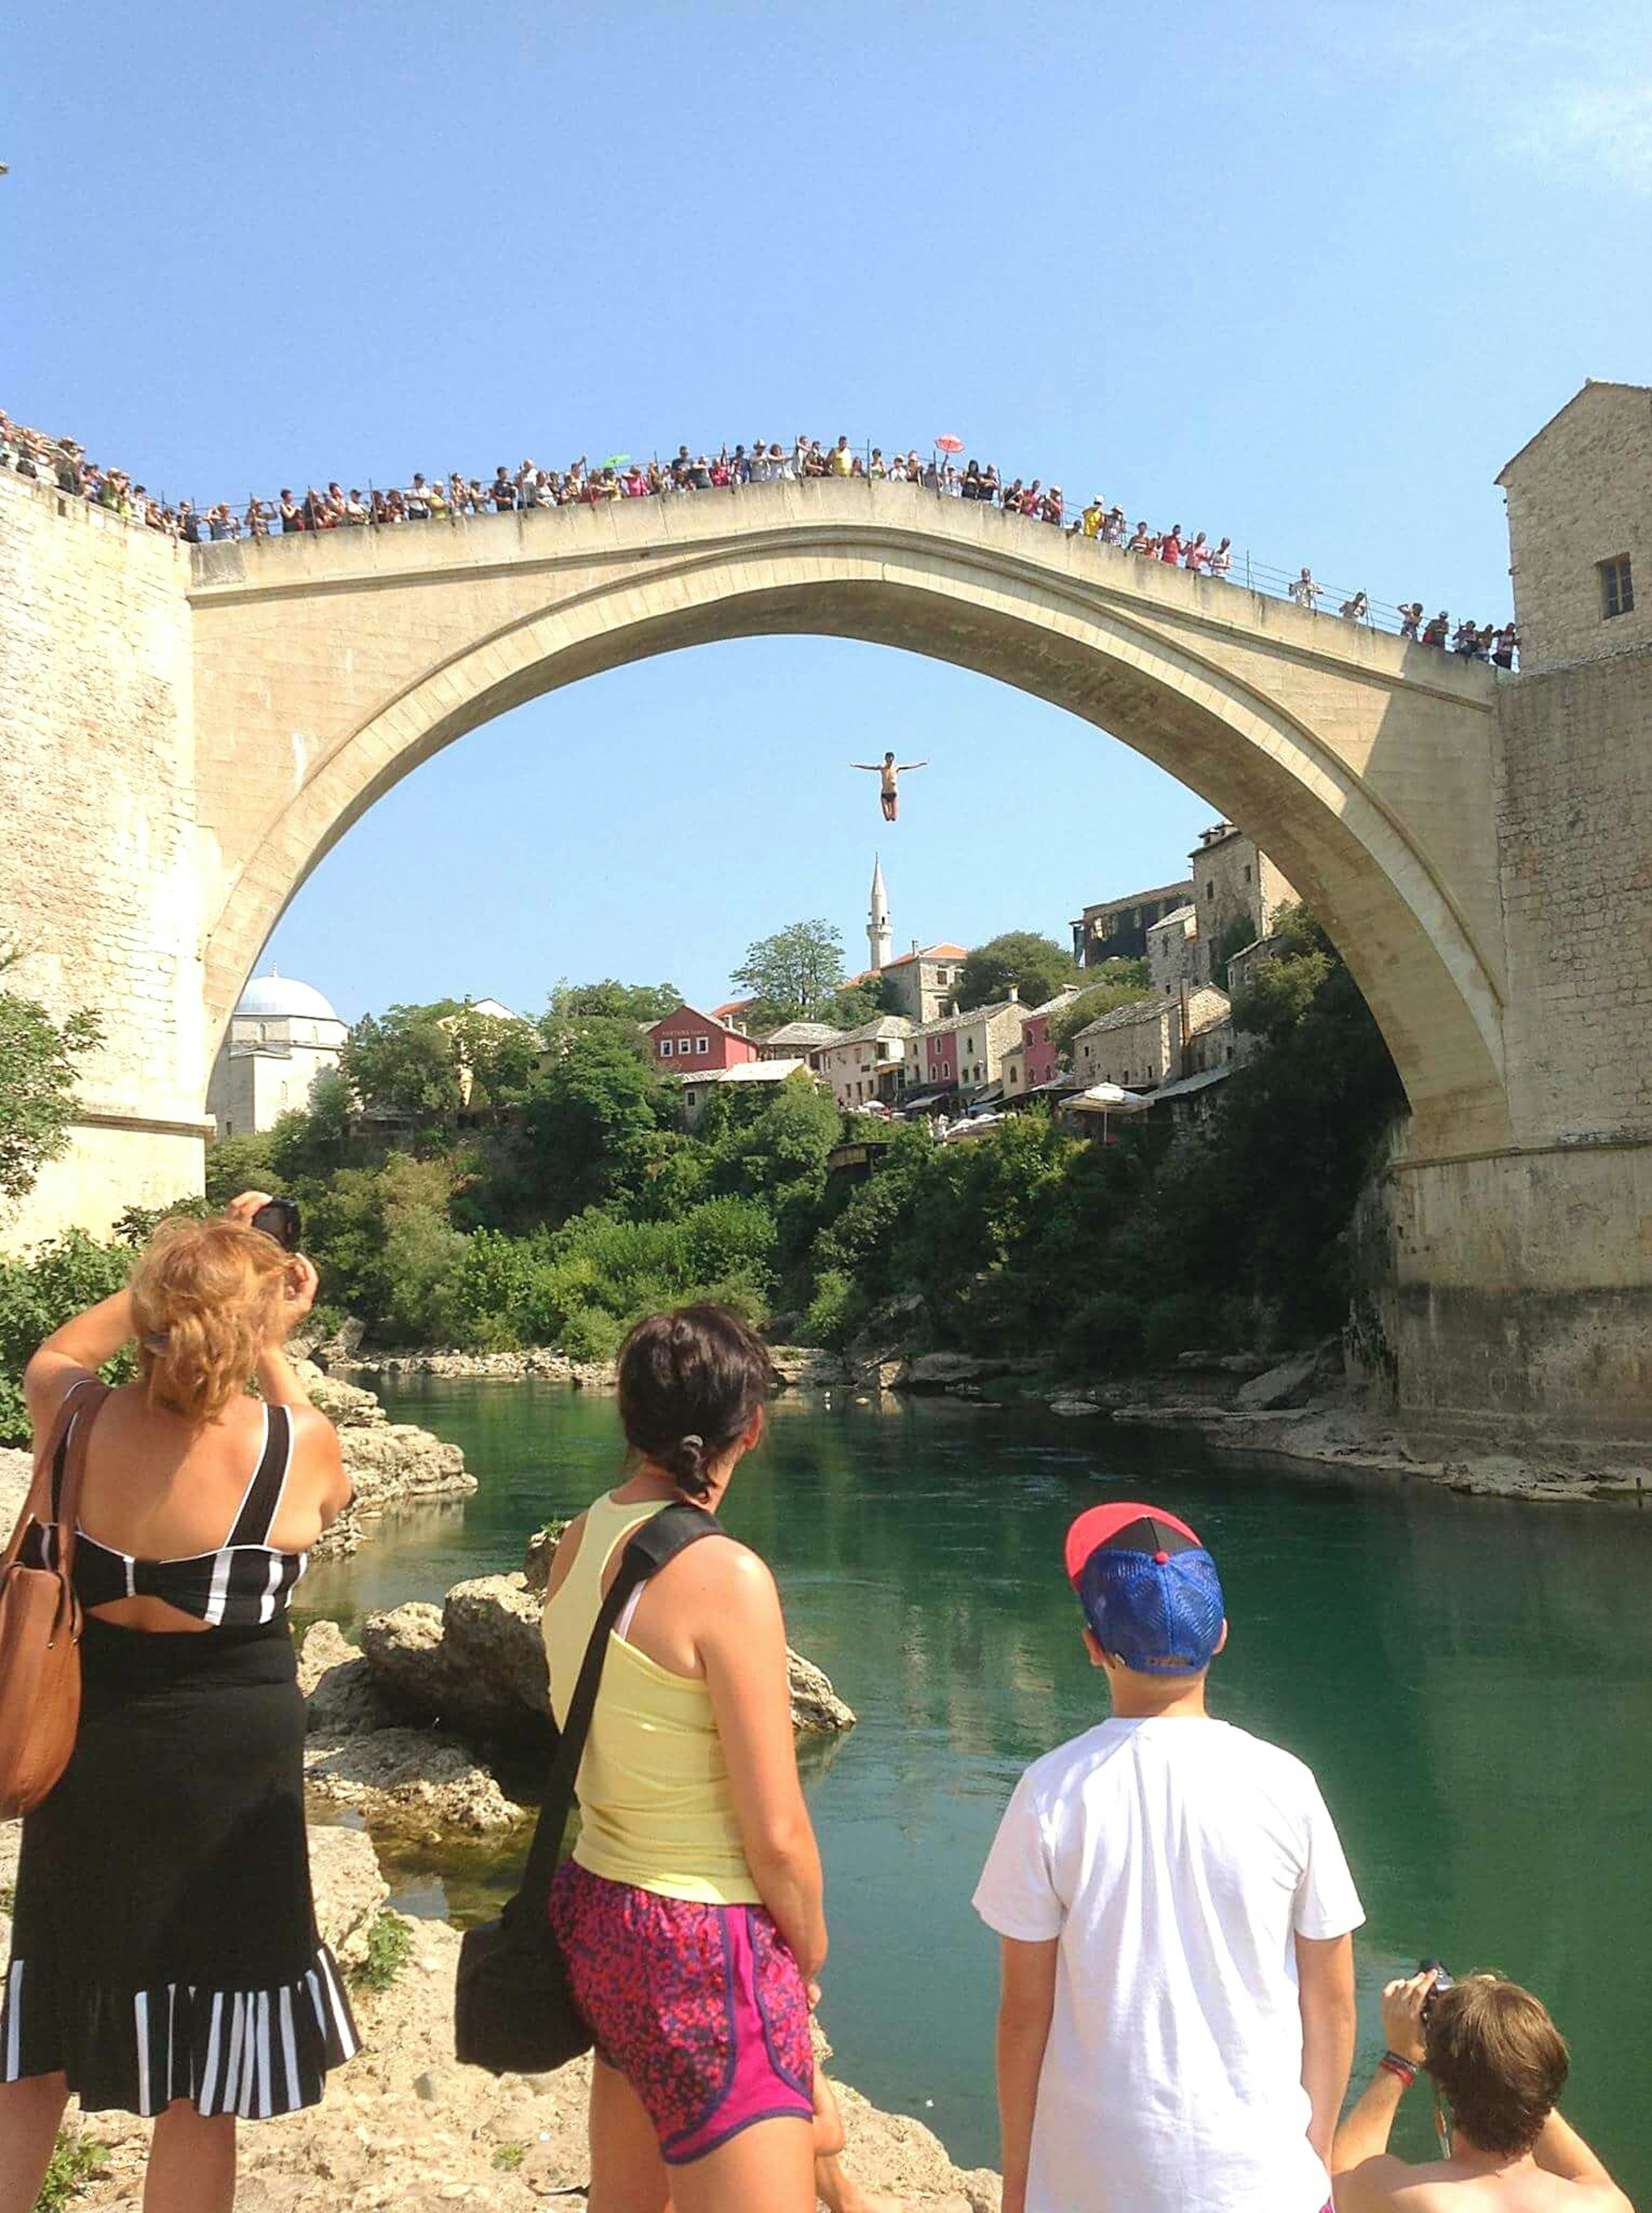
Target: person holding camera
x: 1498, y: 2064
x: 165, y: 1957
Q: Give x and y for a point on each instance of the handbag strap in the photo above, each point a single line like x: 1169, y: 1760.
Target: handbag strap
x: 661, y: 1538
x: 54, y: 1499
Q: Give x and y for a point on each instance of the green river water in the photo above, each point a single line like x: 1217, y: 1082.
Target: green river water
x: 1470, y: 1680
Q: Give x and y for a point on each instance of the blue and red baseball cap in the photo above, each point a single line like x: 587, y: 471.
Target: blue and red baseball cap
x: 1149, y: 1588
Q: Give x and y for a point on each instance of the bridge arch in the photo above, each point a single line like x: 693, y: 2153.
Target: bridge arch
x: 1329, y: 745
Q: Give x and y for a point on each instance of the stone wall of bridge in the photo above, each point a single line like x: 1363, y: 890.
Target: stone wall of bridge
x: 100, y: 876
x: 183, y: 735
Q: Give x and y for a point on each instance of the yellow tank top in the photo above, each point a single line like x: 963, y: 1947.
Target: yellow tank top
x: 656, y: 1808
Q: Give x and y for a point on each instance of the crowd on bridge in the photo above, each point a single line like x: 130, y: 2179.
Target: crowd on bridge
x: 585, y: 483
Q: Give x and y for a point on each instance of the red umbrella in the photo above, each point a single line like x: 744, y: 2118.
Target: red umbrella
x: 950, y: 445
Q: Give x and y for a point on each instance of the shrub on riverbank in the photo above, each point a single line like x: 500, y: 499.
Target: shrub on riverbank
x: 36, y: 1295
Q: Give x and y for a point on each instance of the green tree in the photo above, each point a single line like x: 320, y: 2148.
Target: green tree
x: 795, y: 972
x: 594, y: 1119
x: 383, y: 1243
x: 134, y: 1225
x: 309, y: 1144
x: 852, y: 1004
x: 39, y: 1294
x: 634, y: 1003
x: 1037, y: 966
x: 1281, y: 992
x: 405, y: 1064
x: 37, y: 1084
x: 502, y: 1056
x: 774, y: 1150
x: 234, y: 1165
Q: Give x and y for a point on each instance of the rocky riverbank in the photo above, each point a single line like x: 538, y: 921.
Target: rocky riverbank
x: 390, y: 1464
x: 795, y: 1366
x: 1298, y: 1407
x: 394, y: 1723
x: 405, y: 2126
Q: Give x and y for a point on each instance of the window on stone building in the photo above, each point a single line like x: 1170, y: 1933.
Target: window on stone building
x: 1211, y: 889
x: 1617, y: 587
x: 1247, y: 872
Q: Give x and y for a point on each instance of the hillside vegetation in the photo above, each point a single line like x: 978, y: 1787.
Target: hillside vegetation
x: 569, y: 1199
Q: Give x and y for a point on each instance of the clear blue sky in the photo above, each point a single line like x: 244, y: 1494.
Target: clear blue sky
x: 1308, y: 276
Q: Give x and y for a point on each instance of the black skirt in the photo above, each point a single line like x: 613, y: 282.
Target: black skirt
x: 164, y: 1942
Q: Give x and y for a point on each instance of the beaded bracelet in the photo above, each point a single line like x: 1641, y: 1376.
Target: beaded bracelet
x: 1404, y: 2070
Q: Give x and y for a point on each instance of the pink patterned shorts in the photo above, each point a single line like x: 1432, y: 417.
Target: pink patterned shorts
x: 700, y: 2008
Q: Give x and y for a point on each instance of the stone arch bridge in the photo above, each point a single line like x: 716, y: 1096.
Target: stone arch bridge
x: 283, y: 686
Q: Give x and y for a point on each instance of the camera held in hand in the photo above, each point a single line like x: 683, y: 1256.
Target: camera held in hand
x: 1442, y: 1981
x: 278, y: 1219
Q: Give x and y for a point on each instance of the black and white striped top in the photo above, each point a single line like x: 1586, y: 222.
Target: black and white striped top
x: 245, y: 1581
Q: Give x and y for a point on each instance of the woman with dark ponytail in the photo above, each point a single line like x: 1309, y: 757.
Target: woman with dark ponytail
x: 690, y: 1913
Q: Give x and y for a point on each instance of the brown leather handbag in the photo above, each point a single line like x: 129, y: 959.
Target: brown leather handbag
x: 40, y: 1617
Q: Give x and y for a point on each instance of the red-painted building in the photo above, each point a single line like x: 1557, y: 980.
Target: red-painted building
x: 1043, y: 1060
x: 687, y: 1043
x: 941, y: 1060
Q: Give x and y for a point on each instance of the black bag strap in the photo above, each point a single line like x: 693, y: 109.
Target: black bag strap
x: 661, y: 1538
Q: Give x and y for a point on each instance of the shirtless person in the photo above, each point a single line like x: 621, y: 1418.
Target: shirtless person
x: 1498, y: 2063
x: 891, y: 771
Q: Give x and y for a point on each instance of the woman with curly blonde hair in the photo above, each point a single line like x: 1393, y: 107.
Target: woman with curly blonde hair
x: 164, y: 1959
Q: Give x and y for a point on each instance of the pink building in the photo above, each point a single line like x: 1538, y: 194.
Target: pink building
x: 941, y: 1060
x: 1042, y: 1063
x: 687, y: 1043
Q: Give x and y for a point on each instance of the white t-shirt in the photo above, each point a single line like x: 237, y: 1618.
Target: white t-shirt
x: 1176, y: 1860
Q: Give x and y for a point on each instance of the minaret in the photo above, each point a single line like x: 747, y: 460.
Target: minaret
x: 878, y: 935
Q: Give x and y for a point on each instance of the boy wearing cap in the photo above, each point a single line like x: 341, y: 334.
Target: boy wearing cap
x: 1176, y: 2022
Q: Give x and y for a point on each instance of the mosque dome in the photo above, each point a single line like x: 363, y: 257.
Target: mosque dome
x: 283, y: 999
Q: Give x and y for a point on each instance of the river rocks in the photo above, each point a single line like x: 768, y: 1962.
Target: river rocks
x: 360, y: 1754
x: 946, y: 1371
x: 1226, y: 1363
x: 1292, y: 1383
x: 409, y: 1783
x: 1074, y: 1409
x: 478, y: 1665
x: 816, y: 1709
x: 807, y: 1367
x: 389, y: 1463
x: 887, y: 1334
x: 346, y: 1405
x: 475, y: 1664
x: 342, y: 1347
x: 341, y: 1695
x: 392, y: 1465
x: 539, y: 1360
x: 348, y: 1888
x: 541, y: 1548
